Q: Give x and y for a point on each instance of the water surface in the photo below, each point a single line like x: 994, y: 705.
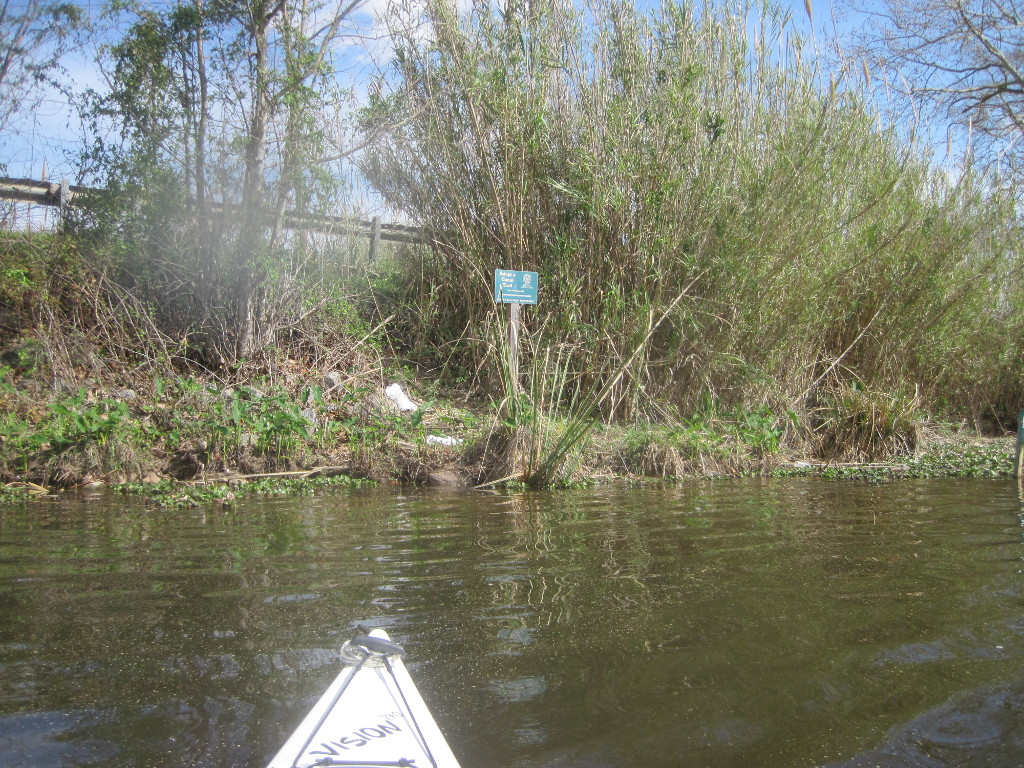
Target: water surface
x: 779, y: 624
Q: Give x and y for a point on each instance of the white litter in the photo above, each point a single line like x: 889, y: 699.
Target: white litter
x: 399, y: 398
x: 443, y: 440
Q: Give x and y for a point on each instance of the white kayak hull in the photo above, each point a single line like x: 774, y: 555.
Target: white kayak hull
x: 371, y: 715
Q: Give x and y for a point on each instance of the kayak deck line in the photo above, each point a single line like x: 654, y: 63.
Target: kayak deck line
x: 371, y: 716
x: 329, y: 763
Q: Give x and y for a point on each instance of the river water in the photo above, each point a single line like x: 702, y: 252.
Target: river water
x: 776, y: 624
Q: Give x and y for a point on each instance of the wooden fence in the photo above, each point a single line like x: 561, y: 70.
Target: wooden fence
x: 64, y: 194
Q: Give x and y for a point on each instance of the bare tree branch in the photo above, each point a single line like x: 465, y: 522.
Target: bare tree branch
x: 963, y: 60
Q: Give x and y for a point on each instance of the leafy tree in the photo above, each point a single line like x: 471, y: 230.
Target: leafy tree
x: 221, y: 115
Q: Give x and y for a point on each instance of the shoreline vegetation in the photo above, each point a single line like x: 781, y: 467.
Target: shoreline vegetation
x: 186, y: 442
x: 746, y: 266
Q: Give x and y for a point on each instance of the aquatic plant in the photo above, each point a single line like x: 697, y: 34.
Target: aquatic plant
x: 174, y: 493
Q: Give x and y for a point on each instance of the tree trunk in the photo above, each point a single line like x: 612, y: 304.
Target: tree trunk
x: 249, y: 278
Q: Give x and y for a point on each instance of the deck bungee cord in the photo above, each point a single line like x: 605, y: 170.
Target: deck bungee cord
x: 411, y: 717
x: 331, y: 763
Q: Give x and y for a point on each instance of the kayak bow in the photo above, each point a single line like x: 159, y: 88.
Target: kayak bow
x: 371, y: 716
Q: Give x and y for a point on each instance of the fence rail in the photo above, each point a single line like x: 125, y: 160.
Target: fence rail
x: 64, y: 194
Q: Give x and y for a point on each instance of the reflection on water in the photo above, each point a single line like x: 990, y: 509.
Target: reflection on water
x: 776, y: 624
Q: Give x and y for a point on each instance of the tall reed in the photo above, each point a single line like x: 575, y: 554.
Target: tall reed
x: 620, y: 154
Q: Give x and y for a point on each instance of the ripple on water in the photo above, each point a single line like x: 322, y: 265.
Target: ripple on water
x: 520, y: 689
x: 963, y: 646
x: 983, y: 728
x: 709, y: 625
x: 46, y: 738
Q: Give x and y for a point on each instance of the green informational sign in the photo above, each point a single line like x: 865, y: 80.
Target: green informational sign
x: 514, y: 287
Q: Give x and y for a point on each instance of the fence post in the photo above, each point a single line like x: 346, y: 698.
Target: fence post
x: 513, y: 344
x: 64, y: 200
x: 375, y: 238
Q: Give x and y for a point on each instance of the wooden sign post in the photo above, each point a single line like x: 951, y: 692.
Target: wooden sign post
x: 516, y: 288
